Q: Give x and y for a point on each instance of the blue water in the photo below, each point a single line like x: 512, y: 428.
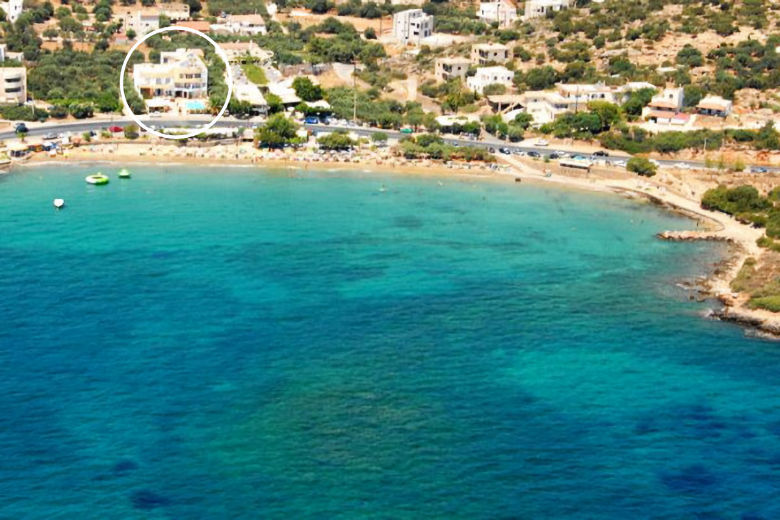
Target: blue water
x: 196, y: 105
x: 244, y: 344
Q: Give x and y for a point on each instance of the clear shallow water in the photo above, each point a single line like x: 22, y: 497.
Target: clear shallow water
x: 229, y: 344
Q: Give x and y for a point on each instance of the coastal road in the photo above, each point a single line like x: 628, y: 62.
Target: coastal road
x: 96, y: 125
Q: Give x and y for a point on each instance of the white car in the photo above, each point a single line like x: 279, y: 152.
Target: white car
x: 541, y: 142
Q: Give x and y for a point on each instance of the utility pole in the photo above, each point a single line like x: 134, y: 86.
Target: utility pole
x: 354, y: 91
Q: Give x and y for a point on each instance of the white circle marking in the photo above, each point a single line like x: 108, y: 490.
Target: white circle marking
x: 220, y: 53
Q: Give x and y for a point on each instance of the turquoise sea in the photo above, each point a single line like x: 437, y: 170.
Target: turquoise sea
x: 244, y: 344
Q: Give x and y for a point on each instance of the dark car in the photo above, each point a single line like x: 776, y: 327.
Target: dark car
x: 312, y: 120
x: 492, y: 150
x: 504, y: 150
x: 600, y: 153
x: 21, y: 128
x: 534, y: 154
x: 554, y: 155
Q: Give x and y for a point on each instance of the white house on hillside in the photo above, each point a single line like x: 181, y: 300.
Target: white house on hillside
x: 146, y: 20
x: 484, y: 53
x: 448, y: 68
x: 714, y: 106
x: 502, y: 12
x: 12, y: 9
x: 244, y: 24
x: 180, y: 74
x: 538, y: 8
x: 411, y: 26
x: 488, y: 76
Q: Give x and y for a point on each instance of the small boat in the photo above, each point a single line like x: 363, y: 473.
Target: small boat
x: 124, y: 174
x: 59, y: 203
x: 97, y: 179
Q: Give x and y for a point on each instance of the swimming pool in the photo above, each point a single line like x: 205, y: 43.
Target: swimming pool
x: 196, y: 105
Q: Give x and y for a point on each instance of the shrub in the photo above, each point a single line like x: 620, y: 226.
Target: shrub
x: 641, y: 166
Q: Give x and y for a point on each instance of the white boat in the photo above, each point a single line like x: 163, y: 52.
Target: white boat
x: 124, y: 174
x: 59, y: 203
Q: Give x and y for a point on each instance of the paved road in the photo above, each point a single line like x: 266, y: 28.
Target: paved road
x: 85, y: 126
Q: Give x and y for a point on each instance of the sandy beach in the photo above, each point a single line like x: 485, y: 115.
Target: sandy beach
x: 676, y: 193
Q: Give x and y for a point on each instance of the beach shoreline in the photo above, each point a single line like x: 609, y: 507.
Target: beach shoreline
x: 711, y: 225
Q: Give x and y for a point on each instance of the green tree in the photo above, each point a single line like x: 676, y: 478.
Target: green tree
x: 277, y: 131
x: 338, y: 140
x: 306, y: 90
x: 641, y: 166
x: 608, y: 113
x: 690, y: 56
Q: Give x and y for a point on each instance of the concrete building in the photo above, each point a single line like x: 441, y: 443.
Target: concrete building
x: 448, y: 68
x: 488, y: 76
x: 714, y: 106
x: 502, y: 12
x: 668, y: 101
x: 12, y: 9
x: 245, y: 90
x: 285, y: 91
x: 243, y: 24
x: 144, y: 21
x: 411, y: 26
x: 180, y: 74
x: 545, y: 106
x: 13, y: 85
x: 539, y: 8
x: 487, y: 53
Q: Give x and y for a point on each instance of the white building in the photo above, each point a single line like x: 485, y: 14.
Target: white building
x: 448, y: 68
x: 538, y: 8
x: 544, y: 106
x: 714, y: 106
x: 243, y: 24
x: 245, y: 90
x: 668, y: 101
x: 285, y: 91
x: 501, y: 12
x: 488, y: 76
x: 12, y: 9
x: 13, y: 85
x: 180, y: 74
x: 411, y: 26
x: 144, y: 21
x: 486, y: 53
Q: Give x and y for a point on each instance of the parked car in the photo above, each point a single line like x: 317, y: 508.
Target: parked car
x: 600, y: 153
x: 534, y: 154
x: 554, y: 155
x: 115, y: 129
x: 21, y: 128
x: 504, y: 150
x: 312, y: 120
x: 758, y: 169
x: 50, y: 136
x: 407, y: 131
x: 492, y: 150
x: 541, y: 142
